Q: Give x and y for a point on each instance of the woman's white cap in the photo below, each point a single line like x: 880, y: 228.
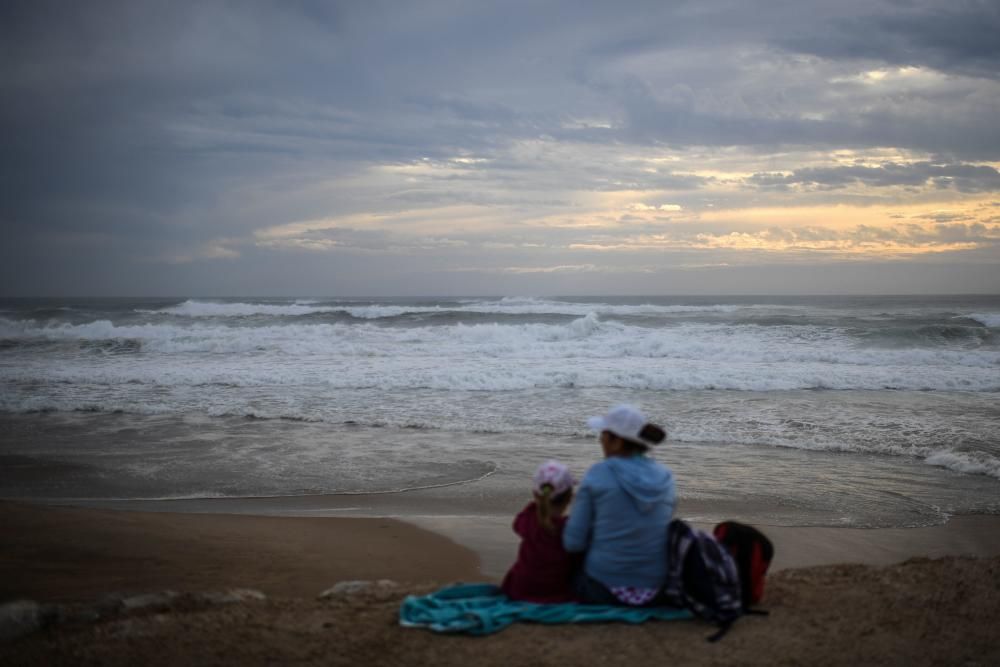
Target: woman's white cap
x: 556, y: 475
x: 629, y: 423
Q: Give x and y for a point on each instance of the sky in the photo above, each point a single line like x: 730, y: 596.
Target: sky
x: 499, y: 148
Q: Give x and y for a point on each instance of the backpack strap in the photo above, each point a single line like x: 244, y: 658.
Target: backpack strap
x: 680, y: 536
x: 721, y: 632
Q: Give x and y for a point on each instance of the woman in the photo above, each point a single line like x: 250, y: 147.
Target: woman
x: 620, y: 516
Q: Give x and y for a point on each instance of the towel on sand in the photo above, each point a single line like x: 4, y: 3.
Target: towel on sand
x: 482, y: 609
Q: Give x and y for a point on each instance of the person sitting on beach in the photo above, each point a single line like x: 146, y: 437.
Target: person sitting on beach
x: 544, y: 572
x: 623, y: 507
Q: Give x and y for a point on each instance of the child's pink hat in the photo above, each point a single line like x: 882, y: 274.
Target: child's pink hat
x: 556, y: 475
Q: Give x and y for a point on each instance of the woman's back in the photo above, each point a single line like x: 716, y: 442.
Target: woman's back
x: 620, y: 518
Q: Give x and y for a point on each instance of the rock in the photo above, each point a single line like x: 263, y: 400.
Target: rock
x: 20, y: 618
x: 127, y: 627
x: 345, y: 588
x: 110, y: 605
x: 232, y: 596
x: 150, y: 601
x: 342, y: 588
x: 77, y: 614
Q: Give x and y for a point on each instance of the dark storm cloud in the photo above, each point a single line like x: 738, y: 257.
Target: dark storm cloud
x: 965, y: 178
x: 958, y: 37
x: 87, y: 99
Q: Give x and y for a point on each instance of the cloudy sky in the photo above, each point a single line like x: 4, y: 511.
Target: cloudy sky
x: 531, y: 148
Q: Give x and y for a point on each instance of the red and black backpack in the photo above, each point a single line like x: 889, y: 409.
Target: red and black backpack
x: 752, y: 552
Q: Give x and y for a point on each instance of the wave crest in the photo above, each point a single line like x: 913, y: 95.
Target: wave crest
x: 194, y: 308
x: 991, y: 320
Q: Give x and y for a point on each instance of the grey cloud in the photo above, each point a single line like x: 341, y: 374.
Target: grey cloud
x: 967, y: 178
x: 965, y: 133
x: 908, y: 235
x: 944, y: 217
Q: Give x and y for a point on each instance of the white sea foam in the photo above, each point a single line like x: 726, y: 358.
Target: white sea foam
x: 974, y: 463
x: 991, y: 320
x: 10, y: 402
x: 910, y: 426
x: 586, y: 352
x: 512, y: 306
x: 507, y: 375
x: 193, y: 308
x: 532, y: 306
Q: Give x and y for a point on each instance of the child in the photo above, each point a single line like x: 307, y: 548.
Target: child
x: 544, y: 571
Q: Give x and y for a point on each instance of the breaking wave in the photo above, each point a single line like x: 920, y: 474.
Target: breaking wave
x: 585, y: 352
x: 505, y: 306
x: 991, y: 320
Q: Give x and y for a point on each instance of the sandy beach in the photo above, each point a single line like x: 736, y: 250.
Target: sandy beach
x: 70, y: 554
x: 914, y: 611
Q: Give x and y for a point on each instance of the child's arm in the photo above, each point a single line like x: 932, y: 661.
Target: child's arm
x: 522, y: 521
x: 576, y: 535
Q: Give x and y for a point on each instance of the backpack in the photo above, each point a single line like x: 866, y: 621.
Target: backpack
x: 752, y: 552
x: 702, y: 576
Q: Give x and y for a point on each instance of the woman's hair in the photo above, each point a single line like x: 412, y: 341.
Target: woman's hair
x: 545, y: 503
x: 630, y: 447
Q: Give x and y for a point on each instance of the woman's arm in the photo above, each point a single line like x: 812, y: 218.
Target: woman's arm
x: 576, y: 535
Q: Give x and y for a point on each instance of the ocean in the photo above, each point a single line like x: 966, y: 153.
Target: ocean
x: 821, y: 411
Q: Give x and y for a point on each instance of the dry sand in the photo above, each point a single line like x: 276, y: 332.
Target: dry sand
x: 920, y: 612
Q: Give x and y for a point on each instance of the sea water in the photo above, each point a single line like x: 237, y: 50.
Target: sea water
x: 858, y: 411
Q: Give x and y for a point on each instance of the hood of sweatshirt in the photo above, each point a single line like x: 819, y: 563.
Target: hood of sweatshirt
x: 647, y: 482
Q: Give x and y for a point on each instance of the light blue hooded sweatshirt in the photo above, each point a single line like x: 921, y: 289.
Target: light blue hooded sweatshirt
x: 619, y: 517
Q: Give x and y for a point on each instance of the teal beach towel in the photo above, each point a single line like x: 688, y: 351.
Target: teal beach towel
x: 482, y: 609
